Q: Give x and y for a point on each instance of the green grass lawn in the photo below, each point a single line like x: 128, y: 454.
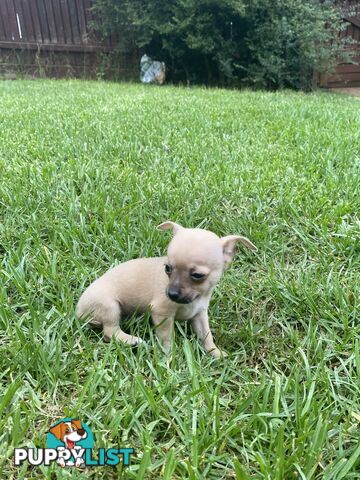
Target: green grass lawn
x: 87, y: 171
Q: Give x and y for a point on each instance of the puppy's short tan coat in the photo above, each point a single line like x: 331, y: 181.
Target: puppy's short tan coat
x: 178, y: 286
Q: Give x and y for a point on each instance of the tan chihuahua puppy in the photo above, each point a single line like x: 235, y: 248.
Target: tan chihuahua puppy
x: 176, y: 287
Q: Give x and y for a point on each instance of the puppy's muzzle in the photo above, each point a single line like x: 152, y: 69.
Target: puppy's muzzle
x: 175, y: 296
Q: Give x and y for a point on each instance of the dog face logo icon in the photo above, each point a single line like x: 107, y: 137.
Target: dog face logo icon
x: 69, y: 432
x: 72, y: 435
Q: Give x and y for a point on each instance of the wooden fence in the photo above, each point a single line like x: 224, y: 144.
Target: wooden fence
x: 347, y: 74
x: 55, y: 38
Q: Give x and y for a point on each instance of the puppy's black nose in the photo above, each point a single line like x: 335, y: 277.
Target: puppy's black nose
x: 173, y: 294
x: 80, y: 431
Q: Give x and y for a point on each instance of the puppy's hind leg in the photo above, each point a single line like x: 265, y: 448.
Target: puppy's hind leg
x: 110, y: 316
x: 106, y: 314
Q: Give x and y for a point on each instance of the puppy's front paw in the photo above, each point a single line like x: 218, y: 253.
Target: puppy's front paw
x: 217, y: 353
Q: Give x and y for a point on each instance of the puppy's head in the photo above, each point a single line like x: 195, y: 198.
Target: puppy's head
x: 196, y: 259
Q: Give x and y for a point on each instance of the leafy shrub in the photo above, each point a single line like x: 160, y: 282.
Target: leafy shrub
x: 262, y: 43
x: 291, y: 40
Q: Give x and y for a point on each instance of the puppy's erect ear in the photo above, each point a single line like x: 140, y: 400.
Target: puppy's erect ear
x: 170, y: 225
x: 229, y: 246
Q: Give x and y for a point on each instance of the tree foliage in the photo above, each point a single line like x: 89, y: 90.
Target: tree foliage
x: 289, y: 40
x: 263, y: 43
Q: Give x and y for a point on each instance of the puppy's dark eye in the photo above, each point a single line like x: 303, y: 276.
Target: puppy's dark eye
x: 197, y: 276
x: 168, y: 269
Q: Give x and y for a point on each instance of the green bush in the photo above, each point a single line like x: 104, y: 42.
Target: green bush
x: 291, y: 40
x: 263, y: 43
